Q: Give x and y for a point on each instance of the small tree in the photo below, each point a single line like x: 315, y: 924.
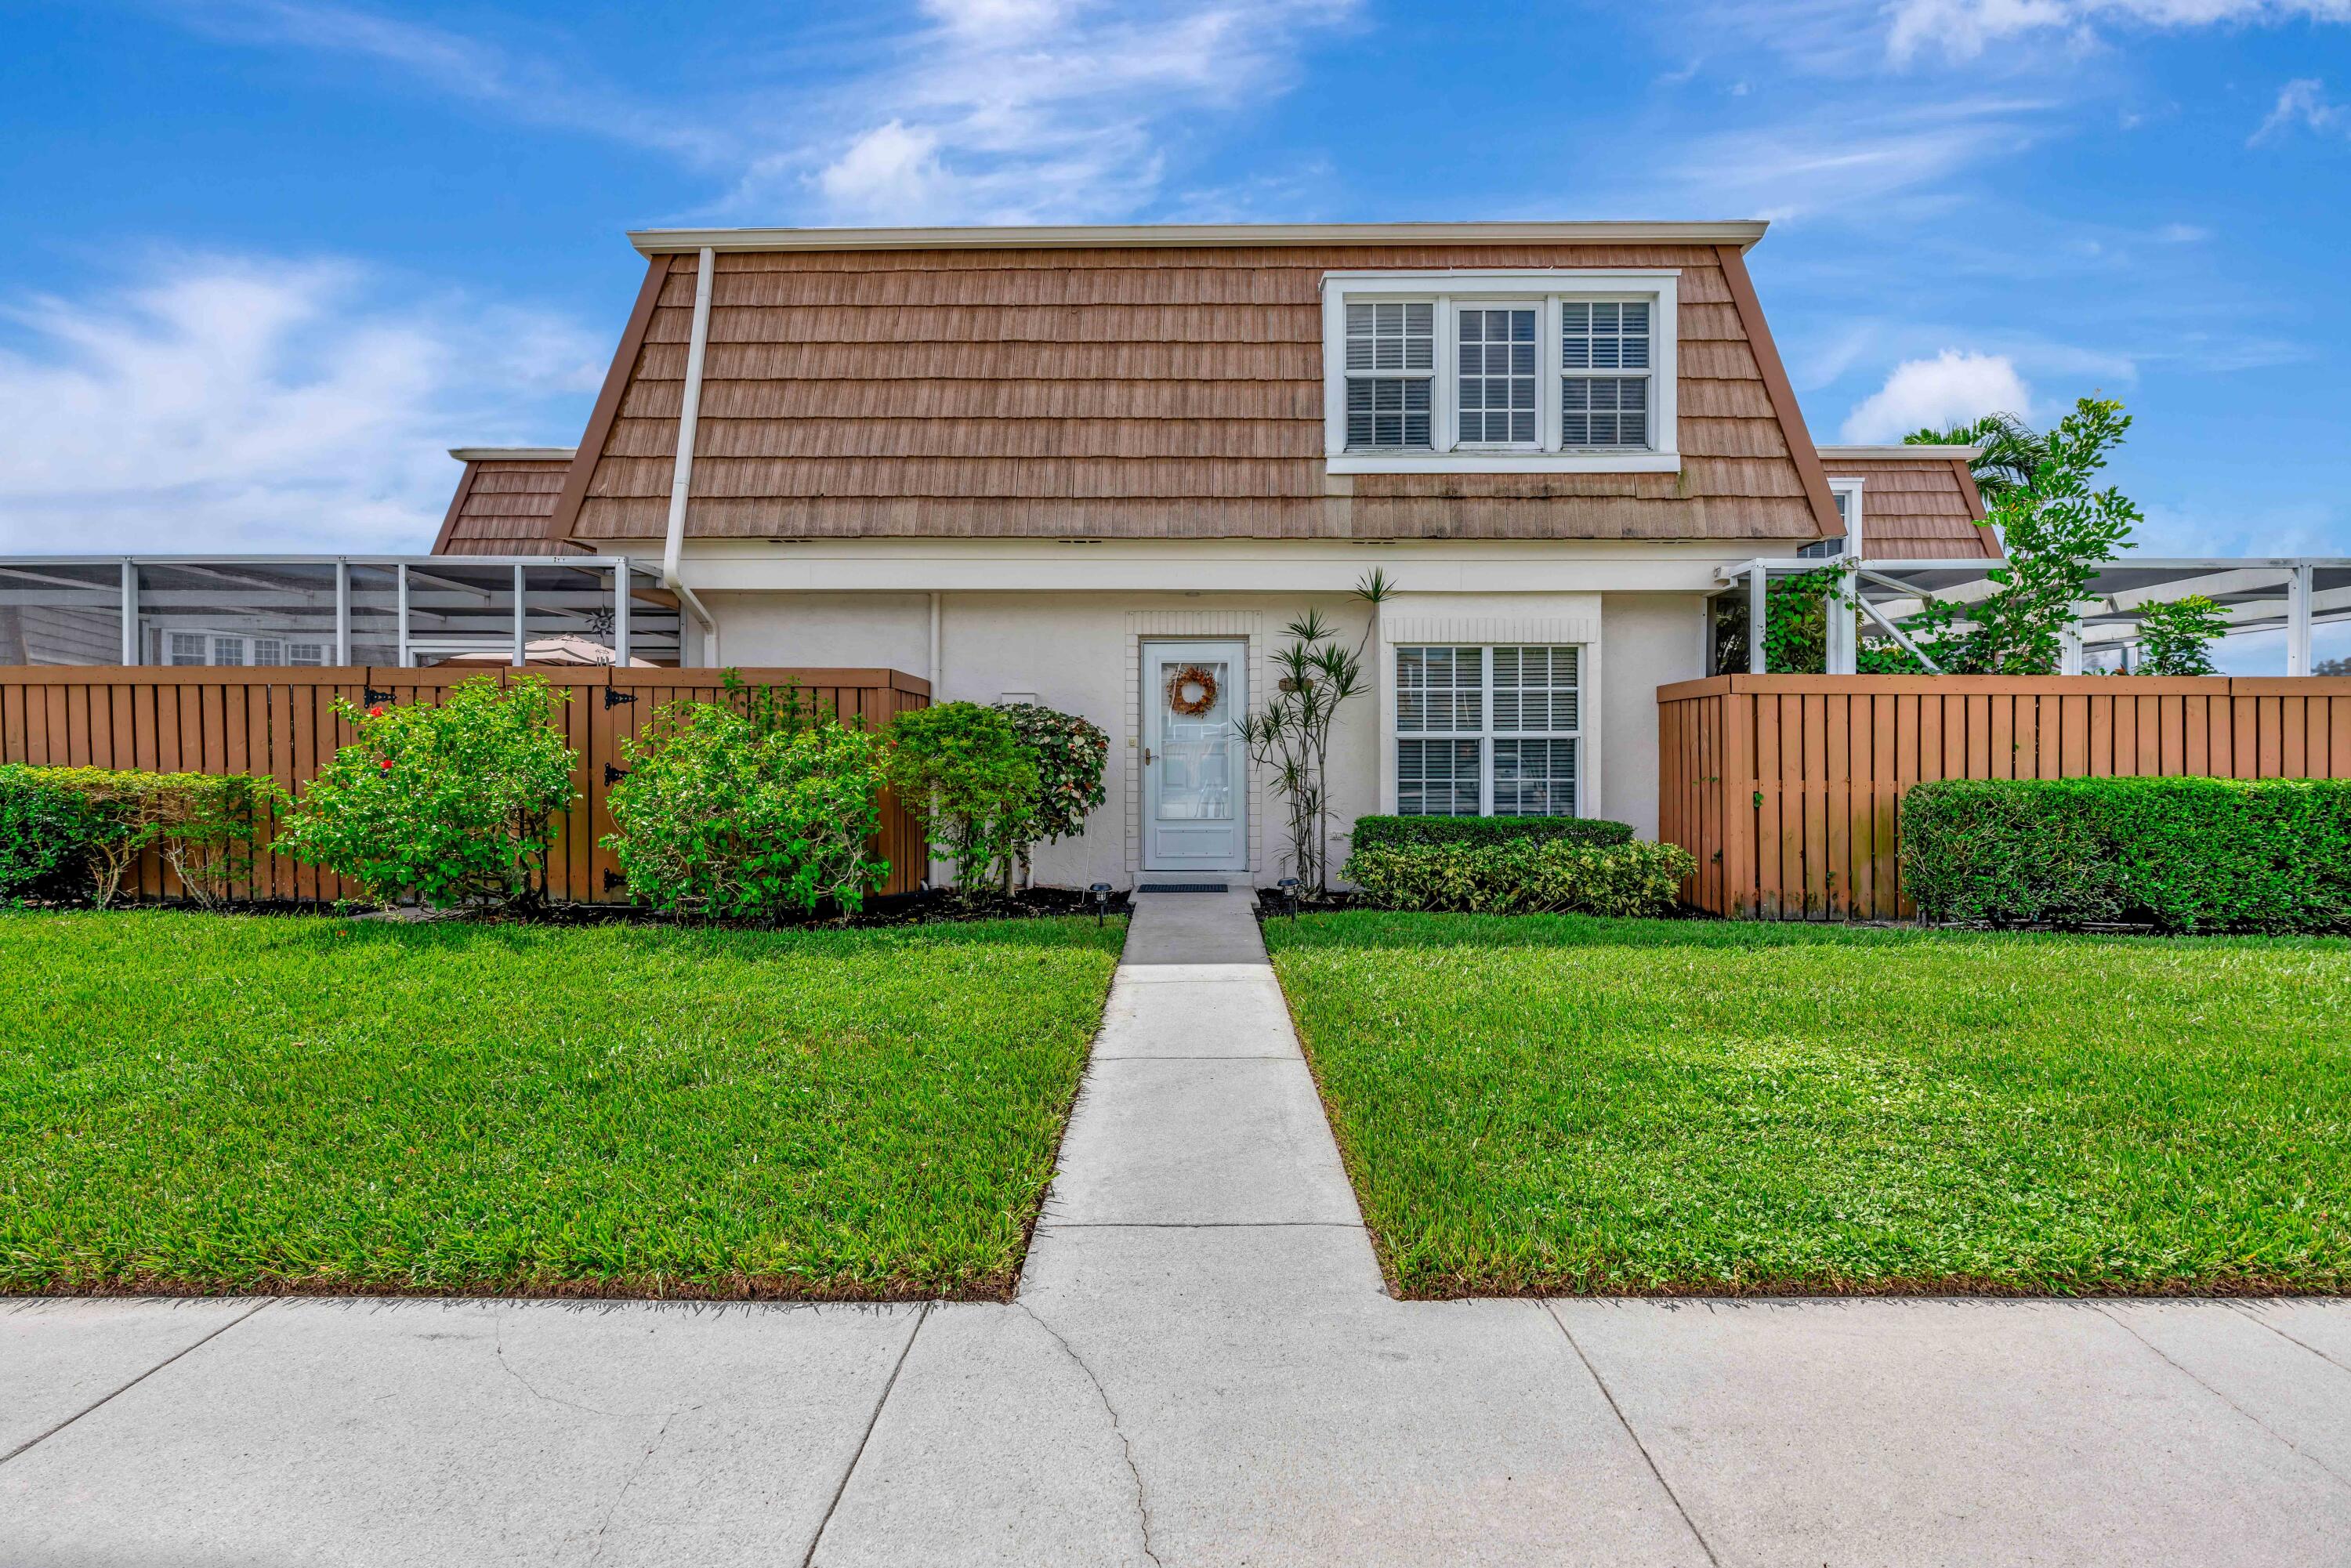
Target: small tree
x: 961, y: 770
x: 2176, y: 638
x: 2008, y: 452
x: 2058, y: 531
x: 1070, y: 753
x: 1292, y: 733
x: 454, y: 804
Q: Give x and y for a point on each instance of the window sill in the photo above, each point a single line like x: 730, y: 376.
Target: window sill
x: 1503, y: 463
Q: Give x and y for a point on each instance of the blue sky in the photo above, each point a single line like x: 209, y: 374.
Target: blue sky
x: 269, y: 257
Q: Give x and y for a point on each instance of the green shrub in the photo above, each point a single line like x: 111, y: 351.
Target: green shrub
x: 1070, y: 753
x: 961, y: 769
x: 722, y: 818
x: 47, y: 830
x: 1522, y: 876
x: 2184, y: 854
x: 1380, y: 832
x: 91, y: 825
x: 454, y: 803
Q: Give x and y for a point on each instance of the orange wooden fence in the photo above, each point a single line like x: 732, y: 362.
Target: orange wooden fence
x: 281, y: 724
x: 1788, y: 789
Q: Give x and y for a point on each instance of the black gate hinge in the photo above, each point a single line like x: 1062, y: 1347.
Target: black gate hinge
x: 614, y: 775
x: 615, y: 698
x: 374, y: 696
x: 613, y: 879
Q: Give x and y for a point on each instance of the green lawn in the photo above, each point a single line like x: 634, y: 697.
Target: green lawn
x: 193, y: 1103
x: 1570, y: 1105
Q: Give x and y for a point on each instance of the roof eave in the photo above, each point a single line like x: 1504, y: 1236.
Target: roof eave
x: 1923, y: 453
x: 513, y: 453
x: 671, y: 242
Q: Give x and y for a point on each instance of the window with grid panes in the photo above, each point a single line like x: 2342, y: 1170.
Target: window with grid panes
x: 1391, y: 374
x: 1497, y: 371
x: 1488, y: 731
x: 1604, y: 368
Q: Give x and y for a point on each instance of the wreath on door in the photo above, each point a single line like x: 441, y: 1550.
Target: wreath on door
x: 1191, y: 691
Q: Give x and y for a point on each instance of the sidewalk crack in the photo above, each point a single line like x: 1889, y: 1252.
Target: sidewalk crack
x: 660, y: 1437
x: 2108, y: 1313
x: 498, y: 1345
x: 866, y: 1436
x: 1646, y: 1457
x: 1127, y: 1448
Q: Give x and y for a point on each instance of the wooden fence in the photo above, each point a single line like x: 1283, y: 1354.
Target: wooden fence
x: 281, y: 724
x: 1788, y: 789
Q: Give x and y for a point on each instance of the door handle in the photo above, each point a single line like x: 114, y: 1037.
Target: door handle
x: 1146, y: 756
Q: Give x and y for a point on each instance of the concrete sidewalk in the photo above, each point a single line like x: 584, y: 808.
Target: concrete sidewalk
x: 1201, y: 1368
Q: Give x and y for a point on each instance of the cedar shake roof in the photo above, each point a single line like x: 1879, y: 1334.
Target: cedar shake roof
x: 1130, y: 389
x: 1919, y: 505
x: 505, y: 501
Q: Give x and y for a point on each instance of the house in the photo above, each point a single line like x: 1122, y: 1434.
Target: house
x: 1104, y: 468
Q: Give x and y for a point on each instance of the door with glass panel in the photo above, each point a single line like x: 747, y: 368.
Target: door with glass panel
x: 1194, y: 767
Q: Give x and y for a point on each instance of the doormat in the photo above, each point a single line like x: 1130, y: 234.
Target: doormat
x: 1183, y: 887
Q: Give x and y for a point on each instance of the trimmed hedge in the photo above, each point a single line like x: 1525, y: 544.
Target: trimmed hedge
x: 1524, y: 877
x: 2182, y: 854
x: 82, y: 830
x: 1382, y: 832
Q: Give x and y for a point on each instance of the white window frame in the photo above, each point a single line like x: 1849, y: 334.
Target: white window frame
x: 1848, y: 543
x: 1438, y: 337
x: 244, y: 641
x: 1660, y: 287
x: 1486, y: 734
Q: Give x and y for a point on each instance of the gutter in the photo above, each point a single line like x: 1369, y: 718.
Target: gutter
x: 1089, y: 236
x: 682, y: 482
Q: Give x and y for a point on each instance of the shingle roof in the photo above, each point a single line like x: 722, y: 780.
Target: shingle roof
x: 505, y: 501
x: 1915, y: 508
x: 1127, y: 393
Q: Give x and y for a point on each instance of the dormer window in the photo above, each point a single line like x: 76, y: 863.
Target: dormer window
x: 1497, y: 373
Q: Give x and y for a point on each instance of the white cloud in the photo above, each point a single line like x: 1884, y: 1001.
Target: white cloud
x: 1954, y: 385
x: 474, y: 68
x: 1840, y: 159
x: 1035, y: 111
x: 2304, y: 102
x: 1003, y: 110
x: 1961, y: 30
x: 245, y: 403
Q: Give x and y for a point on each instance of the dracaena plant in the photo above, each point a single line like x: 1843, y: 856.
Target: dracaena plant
x: 1290, y: 735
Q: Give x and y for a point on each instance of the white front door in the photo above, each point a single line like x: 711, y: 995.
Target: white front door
x: 1195, y: 765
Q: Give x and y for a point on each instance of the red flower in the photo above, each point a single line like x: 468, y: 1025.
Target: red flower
x: 376, y: 712
x: 387, y: 765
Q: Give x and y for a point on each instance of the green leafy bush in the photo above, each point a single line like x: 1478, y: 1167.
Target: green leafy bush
x: 90, y: 825
x: 47, y: 830
x: 1070, y: 753
x: 2184, y: 854
x: 1382, y: 832
x: 1522, y: 876
x: 454, y: 803
x: 961, y: 769
x: 722, y: 818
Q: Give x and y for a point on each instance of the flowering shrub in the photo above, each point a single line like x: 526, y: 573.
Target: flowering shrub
x: 454, y: 804
x: 961, y: 769
x: 724, y: 818
x: 1070, y: 753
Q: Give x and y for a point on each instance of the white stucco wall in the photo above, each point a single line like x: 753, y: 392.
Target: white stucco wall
x: 1079, y: 652
x: 1647, y: 640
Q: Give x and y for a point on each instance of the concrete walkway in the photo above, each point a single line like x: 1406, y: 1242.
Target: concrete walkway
x: 1201, y: 1369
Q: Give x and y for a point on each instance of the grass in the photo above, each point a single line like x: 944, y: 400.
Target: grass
x: 1568, y: 1105
x: 196, y: 1104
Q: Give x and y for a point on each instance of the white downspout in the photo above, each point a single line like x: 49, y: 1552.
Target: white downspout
x: 682, y: 482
